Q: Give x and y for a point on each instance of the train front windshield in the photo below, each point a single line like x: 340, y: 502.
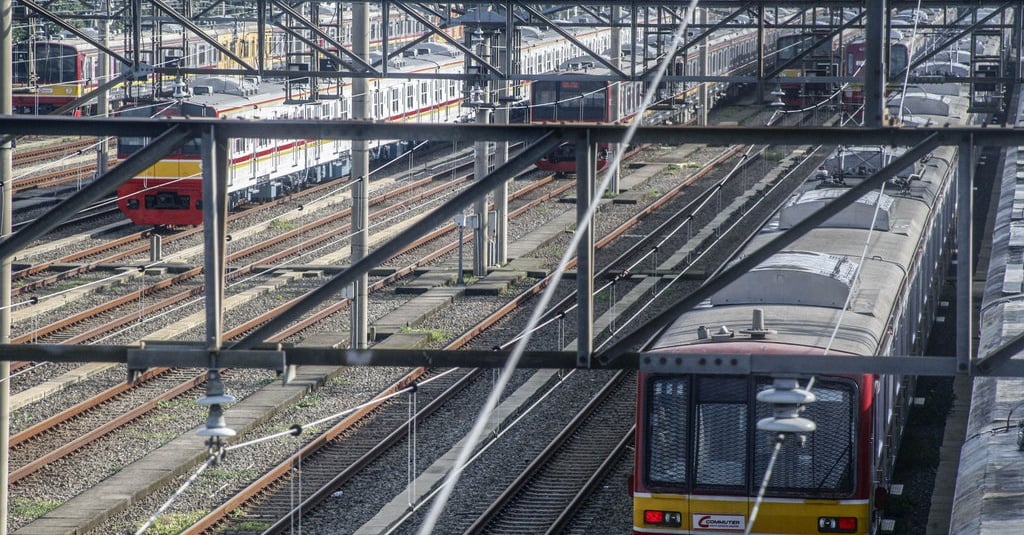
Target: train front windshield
x: 701, y: 433
x: 53, y: 63
x: 569, y: 101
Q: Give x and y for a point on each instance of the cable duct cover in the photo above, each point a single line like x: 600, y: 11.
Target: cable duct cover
x: 857, y: 215
x: 793, y: 278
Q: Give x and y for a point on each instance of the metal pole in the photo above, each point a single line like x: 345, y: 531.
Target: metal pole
x: 215, y: 165
x: 501, y: 116
x: 964, y: 252
x: 585, y: 251
x: 874, y: 64
x: 702, y: 60
x: 6, y: 182
x: 614, y: 92
x: 480, y: 255
x: 501, y: 195
x: 359, y: 322
x: 462, y: 230
x: 102, y: 99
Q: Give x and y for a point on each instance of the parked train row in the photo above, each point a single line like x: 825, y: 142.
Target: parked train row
x: 989, y: 496
x: 821, y: 54
x: 864, y: 283
x: 555, y: 101
x: 169, y: 192
x: 51, y: 71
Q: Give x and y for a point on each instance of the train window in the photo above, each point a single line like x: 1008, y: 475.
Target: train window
x: 544, y: 97
x: 56, y: 63
x: 825, y: 464
x: 668, y: 431
x: 191, y: 148
x: 127, y: 146
x: 20, y: 64
x: 898, y: 59
x: 721, y: 425
x: 424, y: 93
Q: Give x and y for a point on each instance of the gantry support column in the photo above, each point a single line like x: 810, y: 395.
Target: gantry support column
x: 215, y: 209
x: 875, y: 68
x: 703, y: 102
x: 6, y: 180
x: 504, y: 55
x: 360, y: 180
x: 102, y: 99
x: 480, y: 233
x: 501, y: 194
x: 585, y: 173
x: 964, y: 254
x: 615, y: 90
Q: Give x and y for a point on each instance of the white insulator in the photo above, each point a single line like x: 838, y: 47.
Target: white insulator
x: 785, y: 397
x: 786, y: 425
x: 787, y: 401
x: 216, y: 400
x: 215, y: 424
x: 215, y: 390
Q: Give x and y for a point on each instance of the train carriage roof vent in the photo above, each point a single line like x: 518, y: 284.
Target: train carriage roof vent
x: 921, y: 104
x: 943, y: 68
x: 858, y: 215
x: 793, y: 278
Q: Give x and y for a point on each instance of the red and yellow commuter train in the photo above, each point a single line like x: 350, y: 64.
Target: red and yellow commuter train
x: 170, y: 193
x: 865, y: 282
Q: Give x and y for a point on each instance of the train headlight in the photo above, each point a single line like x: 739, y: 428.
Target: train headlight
x: 672, y: 519
x: 132, y: 204
x: 837, y: 524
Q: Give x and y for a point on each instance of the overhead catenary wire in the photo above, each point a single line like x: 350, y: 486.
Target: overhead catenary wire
x: 441, y: 501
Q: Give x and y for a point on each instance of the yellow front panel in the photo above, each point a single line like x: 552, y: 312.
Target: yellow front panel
x: 173, y: 169
x: 802, y: 517
x: 730, y: 515
x: 60, y: 90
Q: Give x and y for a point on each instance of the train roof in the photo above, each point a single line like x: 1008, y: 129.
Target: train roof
x: 169, y: 34
x: 808, y: 288
x: 941, y: 109
x: 989, y: 495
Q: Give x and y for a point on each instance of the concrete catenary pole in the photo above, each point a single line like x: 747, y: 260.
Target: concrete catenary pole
x: 6, y: 176
x: 360, y: 177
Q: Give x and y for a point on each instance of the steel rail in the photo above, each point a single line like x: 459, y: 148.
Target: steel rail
x: 541, y: 461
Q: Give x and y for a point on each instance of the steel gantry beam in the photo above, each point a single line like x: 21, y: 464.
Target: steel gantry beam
x: 175, y: 132
x: 511, y: 15
x: 643, y: 18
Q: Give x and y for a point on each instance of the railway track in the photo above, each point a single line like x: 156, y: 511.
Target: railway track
x: 100, y: 320
x: 258, y: 491
x: 546, y: 495
x: 449, y: 245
